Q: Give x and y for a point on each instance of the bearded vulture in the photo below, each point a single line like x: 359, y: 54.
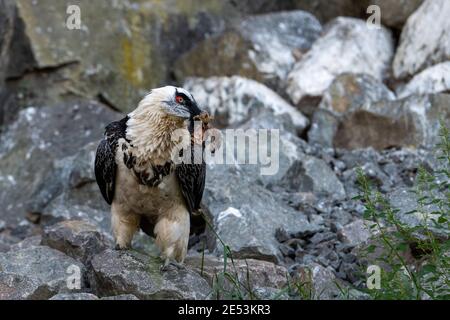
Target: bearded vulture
x: 137, y: 177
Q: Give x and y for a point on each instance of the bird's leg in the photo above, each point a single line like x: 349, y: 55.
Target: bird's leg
x: 124, y: 227
x: 172, y: 236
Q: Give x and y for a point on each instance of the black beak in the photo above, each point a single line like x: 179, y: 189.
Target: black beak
x: 195, y: 110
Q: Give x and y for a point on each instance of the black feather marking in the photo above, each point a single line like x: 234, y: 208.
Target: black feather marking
x: 159, y: 172
x: 192, y: 178
x: 105, y: 163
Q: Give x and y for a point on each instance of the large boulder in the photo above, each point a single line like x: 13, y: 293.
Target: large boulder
x: 31, y: 147
x: 48, y: 268
x: 233, y: 101
x: 435, y: 79
x: 77, y: 239
x: 347, y: 92
x: 134, y: 47
x: 115, y: 272
x: 247, y: 222
x: 411, y: 122
x: 262, y: 47
x: 425, y: 39
x: 347, y: 46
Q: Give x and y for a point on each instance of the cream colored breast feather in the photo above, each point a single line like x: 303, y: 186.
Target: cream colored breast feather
x: 150, y: 131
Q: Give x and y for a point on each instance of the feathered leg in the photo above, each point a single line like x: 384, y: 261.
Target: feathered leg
x: 124, y: 226
x: 172, y: 236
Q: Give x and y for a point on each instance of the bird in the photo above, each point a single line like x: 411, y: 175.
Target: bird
x: 137, y: 176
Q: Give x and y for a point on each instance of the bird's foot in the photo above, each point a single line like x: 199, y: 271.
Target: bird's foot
x: 171, y: 265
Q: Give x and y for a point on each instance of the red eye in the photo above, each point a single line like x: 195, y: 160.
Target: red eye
x: 179, y: 99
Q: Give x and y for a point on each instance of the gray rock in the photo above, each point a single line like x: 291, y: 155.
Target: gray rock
x: 70, y: 192
x: 261, y: 47
x: 355, y: 233
x: 435, y: 79
x: 121, y: 297
x: 233, y: 100
x: 29, y: 242
x: 347, y: 46
x: 425, y: 39
x: 31, y: 146
x: 247, y: 222
x: 20, y: 287
x: 405, y: 201
x: 77, y: 239
x: 74, y: 296
x: 324, y: 125
x: 413, y: 121
x: 252, y: 274
x: 394, y: 13
x: 46, y: 266
x: 321, y: 280
x: 350, y: 91
x: 128, y: 272
x: 310, y: 174
x: 7, y: 20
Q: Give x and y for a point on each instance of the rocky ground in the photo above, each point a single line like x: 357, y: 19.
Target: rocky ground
x: 343, y: 96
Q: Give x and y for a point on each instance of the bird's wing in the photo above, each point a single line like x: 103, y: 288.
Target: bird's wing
x: 192, y: 182
x: 105, y: 170
x: 105, y: 163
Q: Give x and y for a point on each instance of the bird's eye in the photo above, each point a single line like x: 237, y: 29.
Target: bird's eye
x: 179, y: 99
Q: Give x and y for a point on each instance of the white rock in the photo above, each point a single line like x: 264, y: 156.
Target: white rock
x: 425, y: 39
x: 231, y: 100
x: 348, y: 45
x: 432, y: 80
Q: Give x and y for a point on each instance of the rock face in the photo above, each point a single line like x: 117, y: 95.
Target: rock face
x: 394, y: 13
x: 233, y: 100
x: 48, y: 268
x: 425, y: 39
x: 347, y: 45
x: 247, y: 222
x: 413, y: 121
x: 77, y: 239
x: 261, y: 47
x: 435, y: 79
x: 143, y: 278
x: 32, y: 145
x: 136, y: 46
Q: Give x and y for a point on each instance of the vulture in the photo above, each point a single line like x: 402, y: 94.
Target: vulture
x: 137, y: 176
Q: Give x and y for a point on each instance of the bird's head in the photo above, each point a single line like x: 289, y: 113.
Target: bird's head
x: 173, y: 101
